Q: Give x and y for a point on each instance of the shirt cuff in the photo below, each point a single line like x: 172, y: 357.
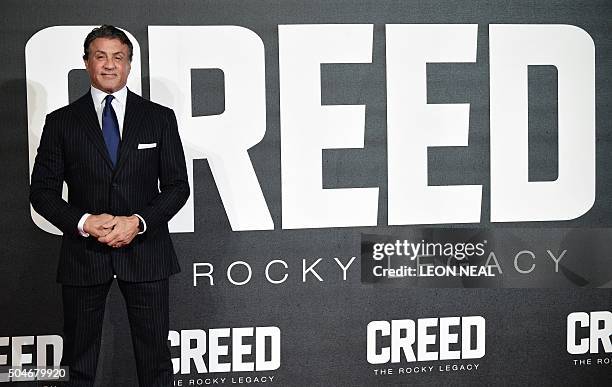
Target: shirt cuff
x: 144, y: 224
x: 81, y: 224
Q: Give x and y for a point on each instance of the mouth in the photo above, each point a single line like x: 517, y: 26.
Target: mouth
x: 109, y: 75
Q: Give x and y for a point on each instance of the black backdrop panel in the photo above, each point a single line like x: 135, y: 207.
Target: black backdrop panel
x: 323, y: 314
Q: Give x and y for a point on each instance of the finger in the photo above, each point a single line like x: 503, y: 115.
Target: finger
x: 125, y: 240
x: 111, y: 223
x: 109, y: 238
x: 111, y: 242
x: 114, y: 220
x: 100, y: 232
x: 114, y: 238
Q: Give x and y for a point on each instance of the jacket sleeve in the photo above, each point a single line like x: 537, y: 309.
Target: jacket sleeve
x: 48, y: 177
x: 173, y: 182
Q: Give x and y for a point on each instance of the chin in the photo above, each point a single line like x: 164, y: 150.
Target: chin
x: 108, y: 88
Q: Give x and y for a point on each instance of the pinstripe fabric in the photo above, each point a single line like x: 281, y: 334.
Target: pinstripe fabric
x: 72, y: 149
x: 83, y: 318
x: 147, y: 307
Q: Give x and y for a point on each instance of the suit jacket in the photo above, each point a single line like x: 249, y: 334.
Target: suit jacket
x: 72, y: 149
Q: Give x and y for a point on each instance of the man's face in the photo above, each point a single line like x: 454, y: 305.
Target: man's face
x: 108, y: 64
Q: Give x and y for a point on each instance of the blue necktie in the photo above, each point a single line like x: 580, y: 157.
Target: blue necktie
x: 110, y: 129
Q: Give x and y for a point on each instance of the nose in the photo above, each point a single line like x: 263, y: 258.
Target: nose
x: 109, y: 64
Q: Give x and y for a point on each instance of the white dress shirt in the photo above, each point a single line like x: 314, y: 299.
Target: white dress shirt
x: 118, y: 104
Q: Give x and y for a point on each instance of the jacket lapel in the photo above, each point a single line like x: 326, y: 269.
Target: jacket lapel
x: 87, y: 115
x: 131, y: 125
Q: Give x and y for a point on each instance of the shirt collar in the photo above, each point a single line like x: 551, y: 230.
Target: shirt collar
x: 99, y: 95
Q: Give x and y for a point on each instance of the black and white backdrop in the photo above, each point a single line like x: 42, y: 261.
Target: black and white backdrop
x: 347, y: 159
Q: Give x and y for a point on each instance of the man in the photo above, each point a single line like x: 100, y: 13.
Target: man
x: 112, y: 148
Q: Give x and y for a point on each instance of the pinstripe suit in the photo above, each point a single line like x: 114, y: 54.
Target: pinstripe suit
x: 72, y: 149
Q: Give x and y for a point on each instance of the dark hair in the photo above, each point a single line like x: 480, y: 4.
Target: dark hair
x: 109, y: 32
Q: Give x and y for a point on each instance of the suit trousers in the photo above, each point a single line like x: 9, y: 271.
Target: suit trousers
x: 147, y: 308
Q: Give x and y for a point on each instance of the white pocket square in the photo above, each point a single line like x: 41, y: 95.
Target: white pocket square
x: 147, y: 146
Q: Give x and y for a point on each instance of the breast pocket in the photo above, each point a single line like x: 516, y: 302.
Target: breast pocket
x: 146, y: 150
x: 146, y: 155
x: 147, y: 145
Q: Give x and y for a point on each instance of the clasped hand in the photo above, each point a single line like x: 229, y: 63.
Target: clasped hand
x: 114, y: 231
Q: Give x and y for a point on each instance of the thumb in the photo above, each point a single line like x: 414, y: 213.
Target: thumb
x: 111, y: 223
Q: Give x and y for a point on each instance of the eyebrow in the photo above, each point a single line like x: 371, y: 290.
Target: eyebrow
x: 114, y: 53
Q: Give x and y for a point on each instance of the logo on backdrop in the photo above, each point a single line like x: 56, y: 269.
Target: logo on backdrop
x: 413, y: 125
x: 435, y: 257
x: 225, y: 355
x: 426, y: 345
x: 28, y: 358
x: 589, y: 338
x: 276, y: 271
